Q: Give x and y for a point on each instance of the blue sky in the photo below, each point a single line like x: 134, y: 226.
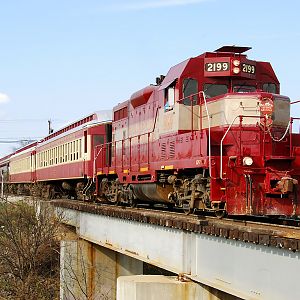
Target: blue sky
x: 64, y: 59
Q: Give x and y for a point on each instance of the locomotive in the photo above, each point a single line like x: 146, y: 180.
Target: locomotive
x: 214, y: 135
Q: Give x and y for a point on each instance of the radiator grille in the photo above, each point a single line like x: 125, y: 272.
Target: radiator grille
x: 172, y: 150
x: 163, y: 151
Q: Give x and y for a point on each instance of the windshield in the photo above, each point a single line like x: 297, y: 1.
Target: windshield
x: 244, y: 88
x: 213, y: 90
x: 281, y: 114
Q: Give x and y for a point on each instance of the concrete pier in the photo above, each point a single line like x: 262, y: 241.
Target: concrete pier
x: 153, y: 287
x: 89, y: 271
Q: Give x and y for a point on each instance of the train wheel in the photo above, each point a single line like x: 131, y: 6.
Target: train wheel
x: 170, y: 206
x: 133, y: 203
x: 221, y: 213
x: 113, y: 199
x: 187, y: 208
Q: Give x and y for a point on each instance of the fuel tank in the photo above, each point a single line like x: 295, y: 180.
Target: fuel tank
x: 152, y: 192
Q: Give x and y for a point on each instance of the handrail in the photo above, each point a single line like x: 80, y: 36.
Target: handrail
x: 294, y: 102
x: 209, y: 140
x: 95, y: 157
x: 221, y: 147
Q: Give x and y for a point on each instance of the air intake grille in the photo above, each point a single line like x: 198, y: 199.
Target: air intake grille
x: 163, y: 151
x: 172, y: 150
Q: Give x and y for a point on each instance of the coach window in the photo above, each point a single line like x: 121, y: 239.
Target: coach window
x: 212, y: 90
x: 71, y: 151
x: 98, y: 140
x: 74, y: 150
x: 60, y: 154
x: 80, y: 154
x: 55, y: 155
x: 189, y: 88
x: 66, y: 153
x: 76, y: 147
x: 85, y: 142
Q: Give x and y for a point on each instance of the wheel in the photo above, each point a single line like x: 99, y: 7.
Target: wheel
x: 187, y: 209
x: 221, y: 213
x: 113, y: 199
x: 170, y: 206
x: 133, y: 203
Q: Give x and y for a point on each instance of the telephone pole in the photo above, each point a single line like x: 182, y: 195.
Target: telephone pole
x: 50, y: 129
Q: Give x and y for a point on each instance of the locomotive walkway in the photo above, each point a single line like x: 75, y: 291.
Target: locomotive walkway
x: 248, y: 260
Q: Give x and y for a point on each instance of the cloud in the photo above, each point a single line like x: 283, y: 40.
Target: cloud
x: 155, y: 4
x: 4, y: 98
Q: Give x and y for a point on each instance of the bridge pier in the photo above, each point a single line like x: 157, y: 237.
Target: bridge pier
x: 148, y: 287
x: 90, y: 271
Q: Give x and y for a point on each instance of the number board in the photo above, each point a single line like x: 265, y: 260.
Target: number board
x: 249, y: 69
x: 217, y: 66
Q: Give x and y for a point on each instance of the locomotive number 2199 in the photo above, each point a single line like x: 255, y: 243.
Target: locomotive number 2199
x: 217, y: 67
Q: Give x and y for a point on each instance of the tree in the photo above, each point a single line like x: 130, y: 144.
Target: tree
x: 29, y: 253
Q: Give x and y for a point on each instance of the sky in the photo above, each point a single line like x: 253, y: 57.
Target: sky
x: 64, y: 59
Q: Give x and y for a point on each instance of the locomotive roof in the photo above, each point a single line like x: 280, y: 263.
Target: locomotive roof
x: 174, y: 73
x: 233, y: 49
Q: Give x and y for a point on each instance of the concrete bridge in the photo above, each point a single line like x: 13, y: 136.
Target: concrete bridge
x: 107, y: 257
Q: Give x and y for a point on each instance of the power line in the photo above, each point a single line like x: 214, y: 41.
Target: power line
x: 29, y: 120
x: 16, y: 142
x: 21, y: 138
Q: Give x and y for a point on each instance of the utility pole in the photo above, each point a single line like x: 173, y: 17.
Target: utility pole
x: 50, y: 129
x: 2, y: 185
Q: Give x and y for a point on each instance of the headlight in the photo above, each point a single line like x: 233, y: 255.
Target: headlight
x: 236, y: 62
x: 236, y: 70
x: 247, y: 161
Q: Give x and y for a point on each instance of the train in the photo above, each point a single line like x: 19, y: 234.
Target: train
x: 213, y: 135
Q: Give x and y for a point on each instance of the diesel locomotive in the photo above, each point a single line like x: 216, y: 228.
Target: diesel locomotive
x: 214, y: 134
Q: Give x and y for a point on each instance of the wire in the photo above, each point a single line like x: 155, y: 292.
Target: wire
x: 16, y: 141
x: 30, y: 120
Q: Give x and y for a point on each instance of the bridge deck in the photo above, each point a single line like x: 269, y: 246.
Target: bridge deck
x: 251, y: 261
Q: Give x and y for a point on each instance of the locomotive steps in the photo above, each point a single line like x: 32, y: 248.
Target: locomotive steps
x: 269, y: 235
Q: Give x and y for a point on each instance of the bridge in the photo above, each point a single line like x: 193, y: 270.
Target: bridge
x: 113, y: 250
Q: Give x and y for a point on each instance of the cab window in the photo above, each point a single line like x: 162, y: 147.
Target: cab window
x: 269, y: 88
x: 244, y: 89
x: 213, y: 90
x: 189, y: 88
x: 170, y: 97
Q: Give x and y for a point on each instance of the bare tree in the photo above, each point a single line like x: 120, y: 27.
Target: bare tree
x: 29, y: 253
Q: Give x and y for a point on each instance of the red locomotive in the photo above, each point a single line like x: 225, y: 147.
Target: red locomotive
x: 214, y: 134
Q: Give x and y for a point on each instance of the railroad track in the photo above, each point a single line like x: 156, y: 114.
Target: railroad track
x: 249, y: 231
